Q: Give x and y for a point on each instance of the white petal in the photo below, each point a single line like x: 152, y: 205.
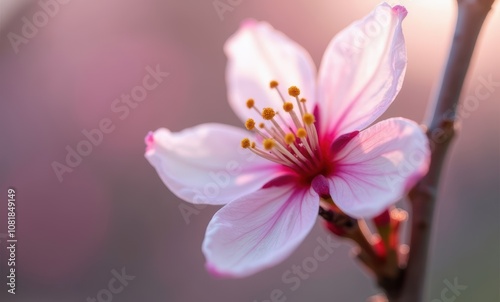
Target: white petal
x: 362, y: 71
x: 258, y: 54
x: 259, y: 230
x: 378, y: 166
x: 206, y: 164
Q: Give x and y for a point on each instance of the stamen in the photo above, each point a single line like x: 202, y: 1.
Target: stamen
x: 301, y: 133
x: 268, y: 113
x: 300, y: 155
x: 297, y: 147
x: 309, y: 123
x: 250, y: 103
x: 288, y: 107
x: 294, y: 116
x: 302, y: 105
x: 314, y: 136
x: 262, y: 133
x: 290, y: 141
x: 270, y: 157
x: 294, y: 91
x: 245, y: 143
x: 289, y: 138
x: 308, y: 119
x: 263, y: 126
x: 288, y: 156
x: 269, y: 143
x: 283, y: 158
x: 274, y: 85
x: 276, y: 135
x: 250, y: 124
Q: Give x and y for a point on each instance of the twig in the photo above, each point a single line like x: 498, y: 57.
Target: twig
x: 471, y: 15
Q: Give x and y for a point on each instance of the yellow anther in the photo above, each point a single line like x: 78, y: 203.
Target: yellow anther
x: 301, y: 132
x: 268, y: 113
x: 268, y: 143
x: 261, y: 125
x: 253, y: 145
x: 288, y: 107
x: 250, y: 103
x: 294, y: 91
x: 245, y: 143
x: 308, y: 119
x: 303, y: 100
x: 250, y: 124
x: 273, y: 84
x: 289, y: 138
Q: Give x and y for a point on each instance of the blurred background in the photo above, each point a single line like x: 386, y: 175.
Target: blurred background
x: 61, y: 77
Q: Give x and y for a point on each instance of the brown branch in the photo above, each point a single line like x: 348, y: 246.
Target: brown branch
x: 471, y: 15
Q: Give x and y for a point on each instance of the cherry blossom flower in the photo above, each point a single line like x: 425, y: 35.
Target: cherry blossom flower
x: 306, y: 139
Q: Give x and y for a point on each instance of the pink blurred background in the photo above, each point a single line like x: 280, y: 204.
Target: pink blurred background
x: 113, y: 212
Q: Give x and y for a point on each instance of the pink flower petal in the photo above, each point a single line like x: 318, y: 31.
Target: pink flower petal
x: 206, y: 164
x: 258, y: 54
x: 378, y: 166
x: 362, y: 71
x: 259, y: 230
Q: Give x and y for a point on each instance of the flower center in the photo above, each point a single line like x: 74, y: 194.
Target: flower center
x: 293, y: 144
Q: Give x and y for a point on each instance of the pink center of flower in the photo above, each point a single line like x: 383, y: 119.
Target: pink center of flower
x: 294, y: 144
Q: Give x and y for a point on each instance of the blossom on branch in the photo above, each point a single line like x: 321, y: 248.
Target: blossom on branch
x: 308, y: 139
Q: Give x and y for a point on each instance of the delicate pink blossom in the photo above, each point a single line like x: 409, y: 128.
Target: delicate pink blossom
x: 308, y: 139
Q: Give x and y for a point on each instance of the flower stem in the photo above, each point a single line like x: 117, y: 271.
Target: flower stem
x: 471, y: 15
